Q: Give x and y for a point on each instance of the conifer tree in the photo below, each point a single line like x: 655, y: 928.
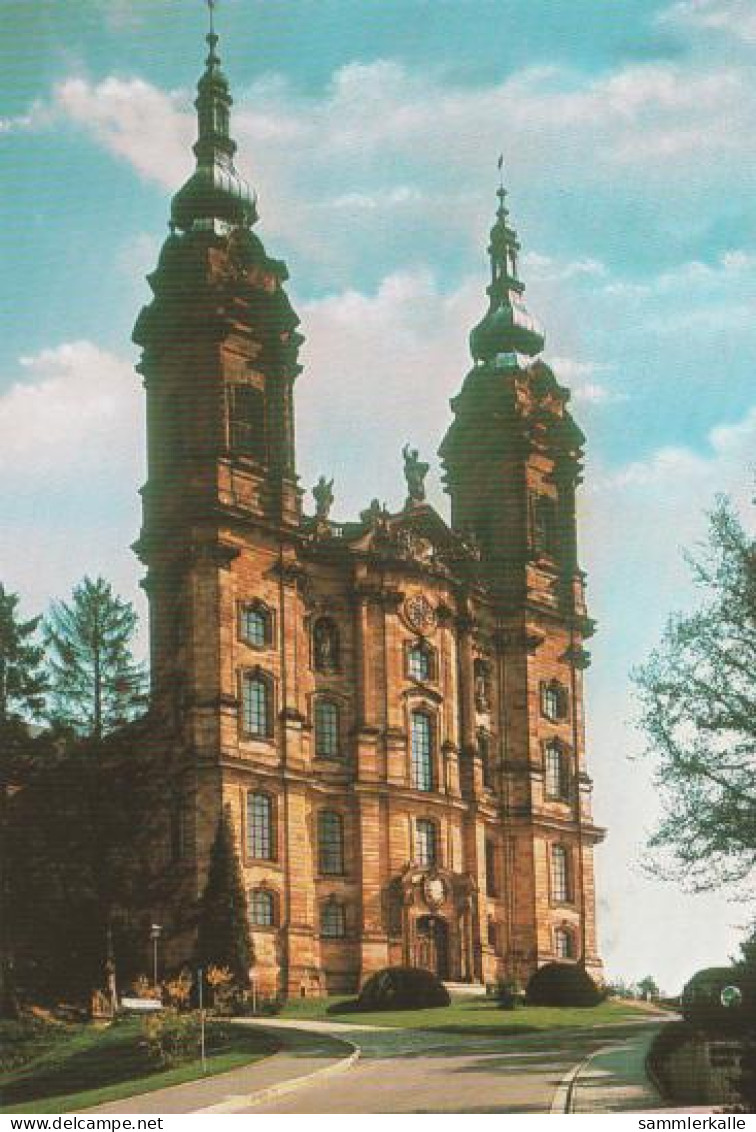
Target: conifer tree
x: 95, y: 684
x: 223, y: 938
x: 22, y: 685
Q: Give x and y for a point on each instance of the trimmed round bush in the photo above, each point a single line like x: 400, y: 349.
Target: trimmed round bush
x: 563, y: 984
x: 702, y: 999
x: 402, y: 988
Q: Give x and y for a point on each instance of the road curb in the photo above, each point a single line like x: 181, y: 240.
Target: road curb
x: 281, y: 1088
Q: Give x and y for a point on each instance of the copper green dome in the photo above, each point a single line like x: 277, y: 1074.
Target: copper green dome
x: 215, y: 191
x: 507, y: 327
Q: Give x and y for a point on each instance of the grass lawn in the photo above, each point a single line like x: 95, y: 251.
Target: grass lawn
x: 89, y: 1065
x: 469, y: 1015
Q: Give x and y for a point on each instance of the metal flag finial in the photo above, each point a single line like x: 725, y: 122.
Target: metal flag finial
x: 211, y: 8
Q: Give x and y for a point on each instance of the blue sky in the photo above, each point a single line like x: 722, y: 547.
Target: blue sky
x: 371, y: 129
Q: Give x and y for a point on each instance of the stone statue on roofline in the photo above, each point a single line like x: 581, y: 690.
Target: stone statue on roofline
x: 415, y: 471
x: 323, y: 495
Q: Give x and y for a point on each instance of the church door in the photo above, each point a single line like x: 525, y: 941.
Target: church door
x: 432, y: 949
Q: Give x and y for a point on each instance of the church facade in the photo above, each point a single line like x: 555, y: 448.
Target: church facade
x: 389, y: 709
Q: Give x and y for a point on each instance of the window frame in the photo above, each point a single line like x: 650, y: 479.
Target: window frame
x: 491, y: 867
x: 331, y: 844
x: 255, y: 606
x: 253, y: 895
x: 332, y: 906
x: 560, y: 712
x: 259, y: 676
x: 562, y: 780
x: 425, y: 860
x: 560, y: 874
x: 422, y: 648
x: 426, y: 784
x: 255, y: 445
x: 268, y: 837
x: 568, y: 935
x: 319, y: 705
x: 485, y: 749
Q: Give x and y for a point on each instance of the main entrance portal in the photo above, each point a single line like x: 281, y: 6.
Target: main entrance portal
x: 432, y: 946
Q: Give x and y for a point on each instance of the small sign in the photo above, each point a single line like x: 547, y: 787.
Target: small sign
x: 141, y: 1005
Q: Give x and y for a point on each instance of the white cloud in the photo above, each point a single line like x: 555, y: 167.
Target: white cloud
x: 379, y: 369
x: 76, y: 409
x: 736, y: 18
x: 136, y: 121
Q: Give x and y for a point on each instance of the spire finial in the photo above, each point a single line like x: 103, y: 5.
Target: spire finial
x: 501, y: 192
x: 211, y: 9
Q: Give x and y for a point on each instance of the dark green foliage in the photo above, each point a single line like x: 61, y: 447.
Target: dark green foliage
x: 22, y: 685
x: 81, y: 862
x: 698, y: 701
x: 563, y: 984
x: 403, y: 988
x: 223, y: 938
x: 702, y: 1004
x: 95, y: 684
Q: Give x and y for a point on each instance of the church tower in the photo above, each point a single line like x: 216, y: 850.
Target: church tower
x: 512, y: 459
x: 219, y: 363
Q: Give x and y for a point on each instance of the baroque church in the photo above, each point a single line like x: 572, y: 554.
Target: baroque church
x: 390, y: 709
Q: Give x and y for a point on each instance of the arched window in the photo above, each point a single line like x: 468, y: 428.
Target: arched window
x: 486, y: 761
x: 561, y: 881
x: 260, y: 826
x: 333, y: 920
x: 554, y: 700
x: 492, y: 872
x: 422, y: 744
x: 427, y: 843
x: 246, y: 417
x: 420, y: 661
x: 327, y: 729
x: 261, y: 908
x: 325, y: 645
x: 330, y: 843
x: 257, y: 705
x: 255, y: 624
x: 564, y: 943
x: 556, y: 778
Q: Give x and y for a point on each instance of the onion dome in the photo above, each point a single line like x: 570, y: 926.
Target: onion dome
x: 507, y: 328
x: 215, y: 191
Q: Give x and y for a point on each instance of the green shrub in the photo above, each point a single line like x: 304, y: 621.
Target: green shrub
x: 171, y: 1038
x: 702, y: 1003
x: 402, y: 988
x: 563, y: 984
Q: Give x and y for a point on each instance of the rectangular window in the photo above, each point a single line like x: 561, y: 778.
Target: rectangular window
x: 427, y: 843
x: 333, y: 920
x: 421, y: 740
x: 330, y: 843
x: 261, y: 913
x: 260, y: 839
x: 560, y: 875
x: 326, y: 729
x: 256, y: 705
x: 247, y: 421
x: 254, y: 625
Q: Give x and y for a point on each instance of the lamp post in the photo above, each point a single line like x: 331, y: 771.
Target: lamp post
x: 156, y: 931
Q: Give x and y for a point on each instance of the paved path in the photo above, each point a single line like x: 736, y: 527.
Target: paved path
x: 413, y: 1071
x: 419, y: 1071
